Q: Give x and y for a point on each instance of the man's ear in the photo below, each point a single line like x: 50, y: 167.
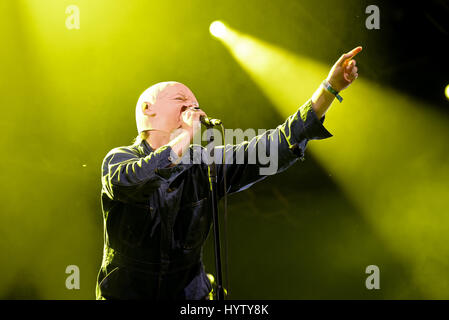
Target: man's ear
x: 147, y: 109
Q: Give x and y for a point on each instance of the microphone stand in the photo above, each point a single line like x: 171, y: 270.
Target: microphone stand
x: 213, y: 187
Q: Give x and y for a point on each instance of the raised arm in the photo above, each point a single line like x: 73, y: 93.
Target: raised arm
x: 269, y: 153
x: 342, y: 74
x: 285, y: 144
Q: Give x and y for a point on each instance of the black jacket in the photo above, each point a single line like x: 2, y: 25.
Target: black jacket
x: 157, y: 218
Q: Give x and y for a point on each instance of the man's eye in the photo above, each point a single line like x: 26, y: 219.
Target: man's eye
x: 179, y: 98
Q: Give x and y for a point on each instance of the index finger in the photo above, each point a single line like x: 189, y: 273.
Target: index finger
x: 350, y: 55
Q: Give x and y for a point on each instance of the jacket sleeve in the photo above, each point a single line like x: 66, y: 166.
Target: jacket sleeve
x: 270, y: 152
x: 126, y: 176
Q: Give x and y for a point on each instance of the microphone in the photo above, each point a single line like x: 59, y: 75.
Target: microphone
x: 208, y: 122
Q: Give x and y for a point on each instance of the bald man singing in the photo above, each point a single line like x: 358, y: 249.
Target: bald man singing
x: 157, y: 209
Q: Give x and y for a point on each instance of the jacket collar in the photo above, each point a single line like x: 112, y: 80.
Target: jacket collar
x: 146, y: 150
x: 146, y: 147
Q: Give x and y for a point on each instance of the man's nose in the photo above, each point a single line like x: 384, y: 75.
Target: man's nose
x: 193, y: 104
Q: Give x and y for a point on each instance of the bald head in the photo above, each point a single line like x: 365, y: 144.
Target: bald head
x: 159, y: 107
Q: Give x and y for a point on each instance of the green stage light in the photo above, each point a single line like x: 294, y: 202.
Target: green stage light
x: 446, y: 91
x: 217, y: 29
x: 404, y: 206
